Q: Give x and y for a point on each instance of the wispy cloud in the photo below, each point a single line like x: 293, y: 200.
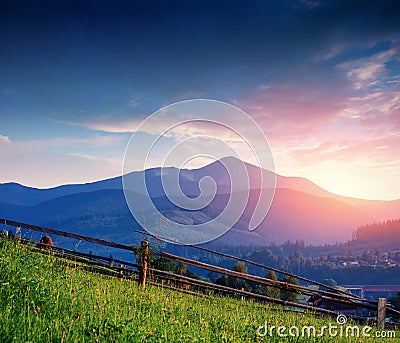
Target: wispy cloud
x: 290, y: 112
x: 369, y: 71
x: 92, y: 157
x: 93, y: 141
x: 379, y: 150
x: 4, y: 140
x: 52, y: 162
x: 135, y: 100
x: 187, y: 126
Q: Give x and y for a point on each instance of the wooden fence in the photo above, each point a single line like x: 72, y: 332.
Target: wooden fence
x: 141, y: 271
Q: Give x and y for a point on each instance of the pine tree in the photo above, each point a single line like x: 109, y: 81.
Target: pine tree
x: 271, y: 291
x: 290, y: 295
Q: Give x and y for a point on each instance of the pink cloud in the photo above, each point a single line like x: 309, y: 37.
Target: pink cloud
x: 55, y: 168
x: 4, y: 140
x: 56, y: 161
x: 368, y: 71
x: 371, y: 152
x: 293, y: 114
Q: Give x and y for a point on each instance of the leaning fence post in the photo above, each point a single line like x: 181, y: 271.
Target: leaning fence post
x: 381, y: 313
x: 143, y: 260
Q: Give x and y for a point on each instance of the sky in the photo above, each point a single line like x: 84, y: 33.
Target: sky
x: 321, y: 78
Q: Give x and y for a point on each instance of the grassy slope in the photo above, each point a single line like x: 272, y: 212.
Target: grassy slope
x: 43, y: 301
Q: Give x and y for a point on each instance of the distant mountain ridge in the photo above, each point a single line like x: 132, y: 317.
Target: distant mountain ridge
x: 14, y: 193
x: 301, y: 210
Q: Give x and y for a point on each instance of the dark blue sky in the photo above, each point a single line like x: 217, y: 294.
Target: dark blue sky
x: 77, y: 71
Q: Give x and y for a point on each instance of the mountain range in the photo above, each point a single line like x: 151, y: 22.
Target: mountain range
x: 301, y: 210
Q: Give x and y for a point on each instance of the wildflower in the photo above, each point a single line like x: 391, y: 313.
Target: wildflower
x: 35, y: 312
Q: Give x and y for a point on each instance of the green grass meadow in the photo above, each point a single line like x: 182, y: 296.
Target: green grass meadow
x: 45, y: 301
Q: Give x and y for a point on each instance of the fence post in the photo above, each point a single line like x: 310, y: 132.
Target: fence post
x: 381, y: 313
x: 143, y: 260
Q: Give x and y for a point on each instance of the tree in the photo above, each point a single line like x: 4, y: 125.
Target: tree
x: 240, y: 267
x: 290, y: 295
x: 164, y: 264
x: 235, y: 282
x: 222, y: 280
x: 181, y: 268
x: 330, y: 282
x: 269, y: 291
x: 297, y: 261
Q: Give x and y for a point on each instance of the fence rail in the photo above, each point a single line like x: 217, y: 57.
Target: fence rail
x: 283, y: 272
x: 64, y: 234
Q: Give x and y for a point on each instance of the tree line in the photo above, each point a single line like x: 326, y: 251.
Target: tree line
x: 386, y: 232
